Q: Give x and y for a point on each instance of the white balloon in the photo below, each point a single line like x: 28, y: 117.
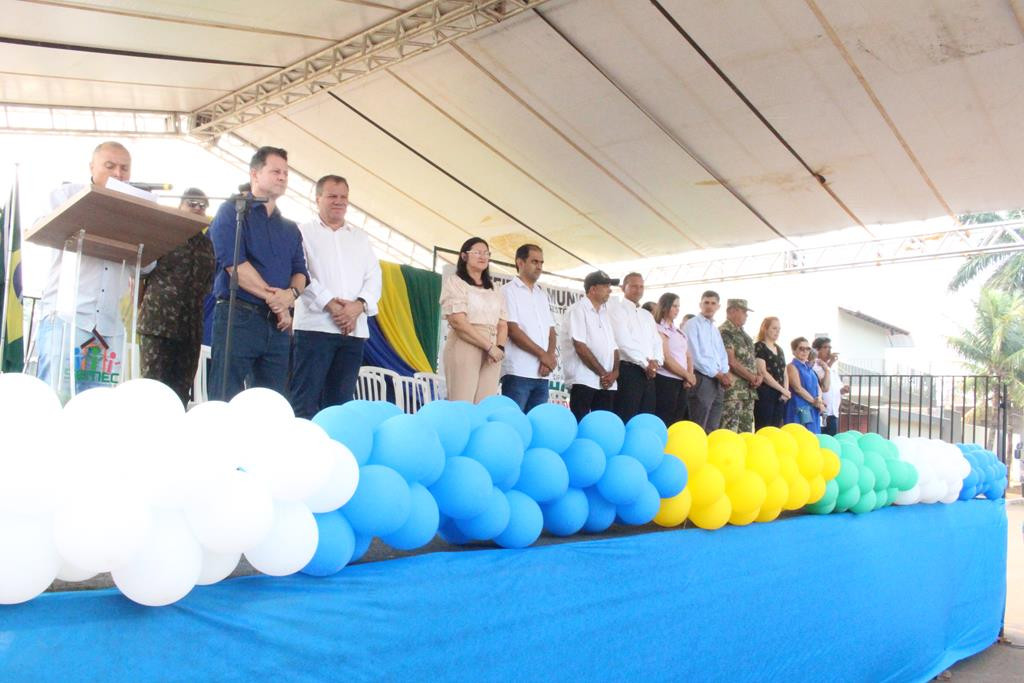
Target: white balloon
x: 28, y: 558
x: 28, y: 471
x: 167, y: 565
x: 72, y: 574
x: 911, y: 496
x: 341, y: 481
x: 291, y: 543
x: 264, y: 405
x: 24, y: 398
x: 230, y: 512
x: 217, y: 566
x: 101, y: 528
x: 297, y: 461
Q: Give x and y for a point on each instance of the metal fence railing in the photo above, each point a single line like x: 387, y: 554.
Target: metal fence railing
x: 954, y: 408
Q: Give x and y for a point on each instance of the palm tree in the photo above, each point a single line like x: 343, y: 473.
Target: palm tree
x: 995, y: 347
x: 1007, y: 267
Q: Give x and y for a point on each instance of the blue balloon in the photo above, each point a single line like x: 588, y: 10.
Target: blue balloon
x: 381, y: 503
x: 490, y: 522
x: 643, y: 509
x: 363, y: 544
x: 510, y: 482
x: 600, y: 513
x: 347, y: 426
x: 543, y: 475
x: 622, y: 481
x: 422, y: 524
x: 410, y: 446
x: 464, y: 488
x: 606, y: 429
x: 650, y: 423
x: 669, y: 477
x: 375, y: 411
x: 525, y: 522
x: 554, y: 427
x: 450, y: 533
x: 496, y: 402
x: 496, y: 446
x: 451, y: 422
x: 645, y: 446
x: 585, y: 461
x: 474, y: 413
x: 335, y: 545
x: 516, y: 419
x: 566, y: 515
x: 996, y: 489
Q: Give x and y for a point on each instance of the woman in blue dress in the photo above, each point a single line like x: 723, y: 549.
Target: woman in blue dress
x: 806, y: 404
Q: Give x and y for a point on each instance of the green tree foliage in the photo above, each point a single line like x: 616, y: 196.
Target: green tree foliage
x: 1005, y: 270
x: 995, y: 346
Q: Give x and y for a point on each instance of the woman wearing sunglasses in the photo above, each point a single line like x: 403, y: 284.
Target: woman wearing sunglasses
x: 806, y: 403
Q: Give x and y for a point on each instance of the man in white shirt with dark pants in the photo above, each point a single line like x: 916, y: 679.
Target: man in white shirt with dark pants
x: 590, y: 358
x: 330, y: 324
x: 640, y: 350
x: 99, y: 335
x: 530, y: 356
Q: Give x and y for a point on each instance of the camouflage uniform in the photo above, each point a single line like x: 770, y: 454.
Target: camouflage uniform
x: 171, y: 314
x: 738, y: 405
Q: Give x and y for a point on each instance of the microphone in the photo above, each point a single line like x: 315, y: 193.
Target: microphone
x: 245, y: 190
x: 151, y: 187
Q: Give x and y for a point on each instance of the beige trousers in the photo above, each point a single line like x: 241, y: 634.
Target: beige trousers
x: 469, y: 373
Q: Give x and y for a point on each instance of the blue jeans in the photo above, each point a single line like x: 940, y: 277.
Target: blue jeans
x: 325, y: 370
x: 257, y: 348
x: 527, y: 392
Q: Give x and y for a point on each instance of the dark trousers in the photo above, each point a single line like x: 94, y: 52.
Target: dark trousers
x: 583, y: 399
x: 670, y: 399
x: 705, y: 401
x: 171, y: 361
x: 527, y: 392
x: 832, y: 426
x: 635, y: 393
x: 325, y: 370
x: 769, y: 411
x: 257, y: 348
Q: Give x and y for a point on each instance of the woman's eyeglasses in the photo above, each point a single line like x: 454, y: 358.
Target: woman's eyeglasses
x: 197, y: 204
x: 481, y: 254
x: 803, y: 348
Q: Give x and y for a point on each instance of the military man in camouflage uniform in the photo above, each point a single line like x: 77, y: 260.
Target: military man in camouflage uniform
x: 738, y: 405
x: 171, y: 314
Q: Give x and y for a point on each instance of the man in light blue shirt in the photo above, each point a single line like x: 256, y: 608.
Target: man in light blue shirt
x: 710, y: 363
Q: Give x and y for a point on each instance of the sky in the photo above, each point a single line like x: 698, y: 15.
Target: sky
x: 911, y: 296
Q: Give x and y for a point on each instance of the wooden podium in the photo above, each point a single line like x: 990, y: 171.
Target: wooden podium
x: 118, y: 227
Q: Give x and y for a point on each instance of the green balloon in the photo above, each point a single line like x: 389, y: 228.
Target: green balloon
x: 849, y: 474
x: 853, y: 452
x: 865, y: 504
x: 852, y: 432
x: 831, y: 492
x: 876, y: 464
x: 891, y: 494
x: 871, y: 442
x: 910, y: 478
x: 866, y: 482
x: 896, y: 473
x: 881, y: 498
x: 890, y: 451
x: 847, y: 499
x: 830, y: 442
x: 819, y: 508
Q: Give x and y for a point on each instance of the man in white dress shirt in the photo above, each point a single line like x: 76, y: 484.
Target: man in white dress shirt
x: 99, y: 333
x: 330, y: 324
x: 640, y: 350
x: 530, y: 356
x: 590, y: 358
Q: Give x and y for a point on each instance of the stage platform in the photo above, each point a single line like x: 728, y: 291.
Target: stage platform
x: 895, y: 595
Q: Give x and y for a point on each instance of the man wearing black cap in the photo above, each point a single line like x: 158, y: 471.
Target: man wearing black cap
x: 590, y: 357
x: 171, y: 312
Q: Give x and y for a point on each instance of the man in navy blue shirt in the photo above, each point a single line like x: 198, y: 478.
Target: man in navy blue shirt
x: 271, y: 276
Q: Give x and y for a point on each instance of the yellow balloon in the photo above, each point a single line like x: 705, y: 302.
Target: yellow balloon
x: 817, y: 489
x: 797, y: 431
x: 778, y: 493
x: 743, y: 518
x: 713, y: 516
x: 785, y: 444
x: 761, y: 457
x: 768, y: 514
x: 688, y: 442
x: 747, y: 493
x: 788, y: 467
x: 706, y: 485
x: 830, y: 464
x: 727, y: 452
x: 799, y: 493
x: 768, y: 431
x: 673, y: 511
x: 810, y: 460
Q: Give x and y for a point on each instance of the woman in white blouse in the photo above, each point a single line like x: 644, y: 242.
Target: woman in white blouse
x: 475, y: 311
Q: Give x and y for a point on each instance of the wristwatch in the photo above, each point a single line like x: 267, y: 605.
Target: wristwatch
x: 363, y: 302
x: 296, y: 293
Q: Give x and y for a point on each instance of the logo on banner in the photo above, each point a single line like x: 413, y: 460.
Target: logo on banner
x: 96, y: 362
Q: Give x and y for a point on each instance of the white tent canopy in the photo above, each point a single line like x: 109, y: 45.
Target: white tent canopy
x: 591, y: 126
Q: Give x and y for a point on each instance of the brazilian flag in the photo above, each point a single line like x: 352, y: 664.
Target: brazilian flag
x: 13, y: 358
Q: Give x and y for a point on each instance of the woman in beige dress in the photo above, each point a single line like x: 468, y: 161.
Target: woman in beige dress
x: 475, y: 311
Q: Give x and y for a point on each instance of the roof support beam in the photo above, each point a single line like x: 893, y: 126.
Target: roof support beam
x: 395, y: 40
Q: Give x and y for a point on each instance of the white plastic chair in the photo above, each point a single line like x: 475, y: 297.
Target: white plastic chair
x: 558, y: 396
x: 199, y: 385
x: 433, y: 386
x: 408, y: 393
x: 371, y: 385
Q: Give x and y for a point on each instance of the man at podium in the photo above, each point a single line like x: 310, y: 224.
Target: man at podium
x: 99, y: 336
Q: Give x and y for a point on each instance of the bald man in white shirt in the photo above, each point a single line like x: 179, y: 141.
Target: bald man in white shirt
x: 331, y: 317
x: 640, y: 350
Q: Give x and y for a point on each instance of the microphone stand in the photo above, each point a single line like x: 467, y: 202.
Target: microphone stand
x: 243, y: 201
